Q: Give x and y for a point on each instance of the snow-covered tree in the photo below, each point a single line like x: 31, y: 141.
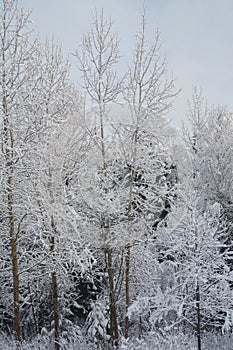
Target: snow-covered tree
x: 98, y: 58
x: 36, y: 96
x: 18, y: 52
x: 149, y: 95
x: 210, y: 149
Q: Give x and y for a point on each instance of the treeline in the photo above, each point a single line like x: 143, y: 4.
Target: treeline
x: 112, y: 228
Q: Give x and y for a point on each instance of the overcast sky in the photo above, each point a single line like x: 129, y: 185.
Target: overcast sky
x: 197, y: 38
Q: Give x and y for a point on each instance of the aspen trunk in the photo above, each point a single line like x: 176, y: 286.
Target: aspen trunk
x: 198, y: 310
x: 15, y: 268
x: 55, y: 293
x: 55, y: 310
x: 127, y: 291
x: 128, y: 249
x: 112, y: 298
x: 14, y: 254
x: 8, y: 146
x: 15, y: 271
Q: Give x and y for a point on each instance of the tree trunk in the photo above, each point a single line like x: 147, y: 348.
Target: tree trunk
x: 55, y: 294
x: 113, y: 309
x: 198, y: 310
x: 127, y: 292
x: 128, y: 249
x: 14, y: 258
x: 55, y: 310
x: 36, y: 321
x: 8, y: 147
x: 15, y: 271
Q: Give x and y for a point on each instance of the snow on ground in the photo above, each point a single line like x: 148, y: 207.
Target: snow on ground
x: 153, y: 342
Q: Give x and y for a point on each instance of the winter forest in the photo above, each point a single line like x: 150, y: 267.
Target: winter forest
x: 116, y: 228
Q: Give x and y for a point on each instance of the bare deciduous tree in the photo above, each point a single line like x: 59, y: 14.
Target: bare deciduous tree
x: 149, y: 96
x: 18, y: 69
x: 97, y: 59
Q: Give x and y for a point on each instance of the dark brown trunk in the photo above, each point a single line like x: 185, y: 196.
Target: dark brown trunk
x: 17, y: 329
x: 113, y: 309
x: 8, y: 146
x: 36, y: 321
x: 55, y: 296
x: 140, y: 328
x: 55, y: 310
x: 127, y: 293
x: 128, y: 249
x: 115, y: 327
x: 198, y: 310
x: 15, y: 268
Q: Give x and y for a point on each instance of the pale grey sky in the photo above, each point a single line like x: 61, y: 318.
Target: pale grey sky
x: 197, y: 38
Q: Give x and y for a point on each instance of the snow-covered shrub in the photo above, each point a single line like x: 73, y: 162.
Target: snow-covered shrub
x: 97, y: 324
